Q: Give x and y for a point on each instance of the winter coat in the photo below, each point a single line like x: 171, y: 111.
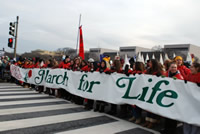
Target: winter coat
x: 193, y: 77
x: 176, y: 75
x: 184, y: 71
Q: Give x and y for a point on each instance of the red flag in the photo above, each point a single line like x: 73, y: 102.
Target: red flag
x: 81, y: 47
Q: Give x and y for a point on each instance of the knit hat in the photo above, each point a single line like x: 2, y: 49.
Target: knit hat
x: 178, y: 58
x: 91, y: 60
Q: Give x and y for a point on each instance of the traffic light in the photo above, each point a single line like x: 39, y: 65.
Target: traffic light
x: 10, y: 42
x: 12, y: 29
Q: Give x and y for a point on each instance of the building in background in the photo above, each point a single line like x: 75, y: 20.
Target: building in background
x: 182, y: 50
x: 96, y: 52
x: 131, y: 51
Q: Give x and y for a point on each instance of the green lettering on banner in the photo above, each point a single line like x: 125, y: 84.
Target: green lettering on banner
x: 49, y: 77
x: 85, y: 85
x: 57, y: 79
x: 65, y: 79
x: 126, y: 95
x: 155, y: 89
x: 41, y: 74
x: 173, y: 95
x: 47, y: 73
x: 54, y: 76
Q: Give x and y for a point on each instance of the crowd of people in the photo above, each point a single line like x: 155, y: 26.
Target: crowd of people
x: 174, y: 68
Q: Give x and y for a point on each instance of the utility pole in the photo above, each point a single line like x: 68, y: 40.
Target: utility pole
x: 16, y: 36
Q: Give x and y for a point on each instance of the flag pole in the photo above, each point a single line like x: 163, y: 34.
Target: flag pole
x: 78, y: 34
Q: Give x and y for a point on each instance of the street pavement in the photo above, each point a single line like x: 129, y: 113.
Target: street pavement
x: 24, y: 111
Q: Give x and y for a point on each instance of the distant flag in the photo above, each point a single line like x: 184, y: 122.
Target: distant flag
x: 138, y: 58
x: 166, y: 56
x: 189, y: 58
x: 174, y: 55
x: 147, y: 58
x: 117, y: 53
x: 101, y: 57
x: 153, y: 56
x: 81, y: 47
x: 142, y: 57
x: 161, y: 59
x: 126, y: 62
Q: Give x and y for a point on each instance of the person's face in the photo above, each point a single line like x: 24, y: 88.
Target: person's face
x: 47, y: 62
x: 179, y: 62
x: 67, y: 59
x: 83, y: 64
x: 173, y: 68
x: 26, y: 62
x: 133, y: 66
x: 77, y: 62
x: 103, y: 64
x: 150, y: 64
x: 193, y: 69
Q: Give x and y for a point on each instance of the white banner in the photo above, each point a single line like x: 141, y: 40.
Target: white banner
x: 163, y: 96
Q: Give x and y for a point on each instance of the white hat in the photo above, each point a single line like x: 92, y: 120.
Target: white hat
x: 91, y: 60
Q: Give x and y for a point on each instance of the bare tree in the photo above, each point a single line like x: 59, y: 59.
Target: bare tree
x: 67, y: 51
x: 157, y: 48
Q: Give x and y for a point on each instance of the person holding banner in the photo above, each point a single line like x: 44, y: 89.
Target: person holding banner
x: 100, y: 105
x: 65, y: 63
x: 182, y: 68
x: 194, y: 76
x: 116, y: 67
x: 170, y: 124
x: 137, y: 112
x: 77, y: 63
x: 84, y: 66
x: 154, y: 69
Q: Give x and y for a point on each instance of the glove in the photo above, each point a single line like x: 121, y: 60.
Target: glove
x: 157, y: 75
x: 100, y: 71
x: 133, y: 74
x: 185, y: 81
x: 81, y: 71
x: 198, y: 84
x: 86, y: 71
x: 127, y: 74
x: 139, y: 73
x: 174, y: 78
x: 162, y: 76
x: 108, y: 72
x: 92, y: 71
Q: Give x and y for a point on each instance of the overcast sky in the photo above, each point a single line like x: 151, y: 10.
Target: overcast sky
x: 53, y: 24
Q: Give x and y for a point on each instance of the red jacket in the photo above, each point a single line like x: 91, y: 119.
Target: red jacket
x: 184, y: 71
x: 25, y: 66
x: 193, y: 77
x: 178, y: 75
x: 85, y: 68
x: 37, y: 65
x: 64, y: 65
x: 45, y: 66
